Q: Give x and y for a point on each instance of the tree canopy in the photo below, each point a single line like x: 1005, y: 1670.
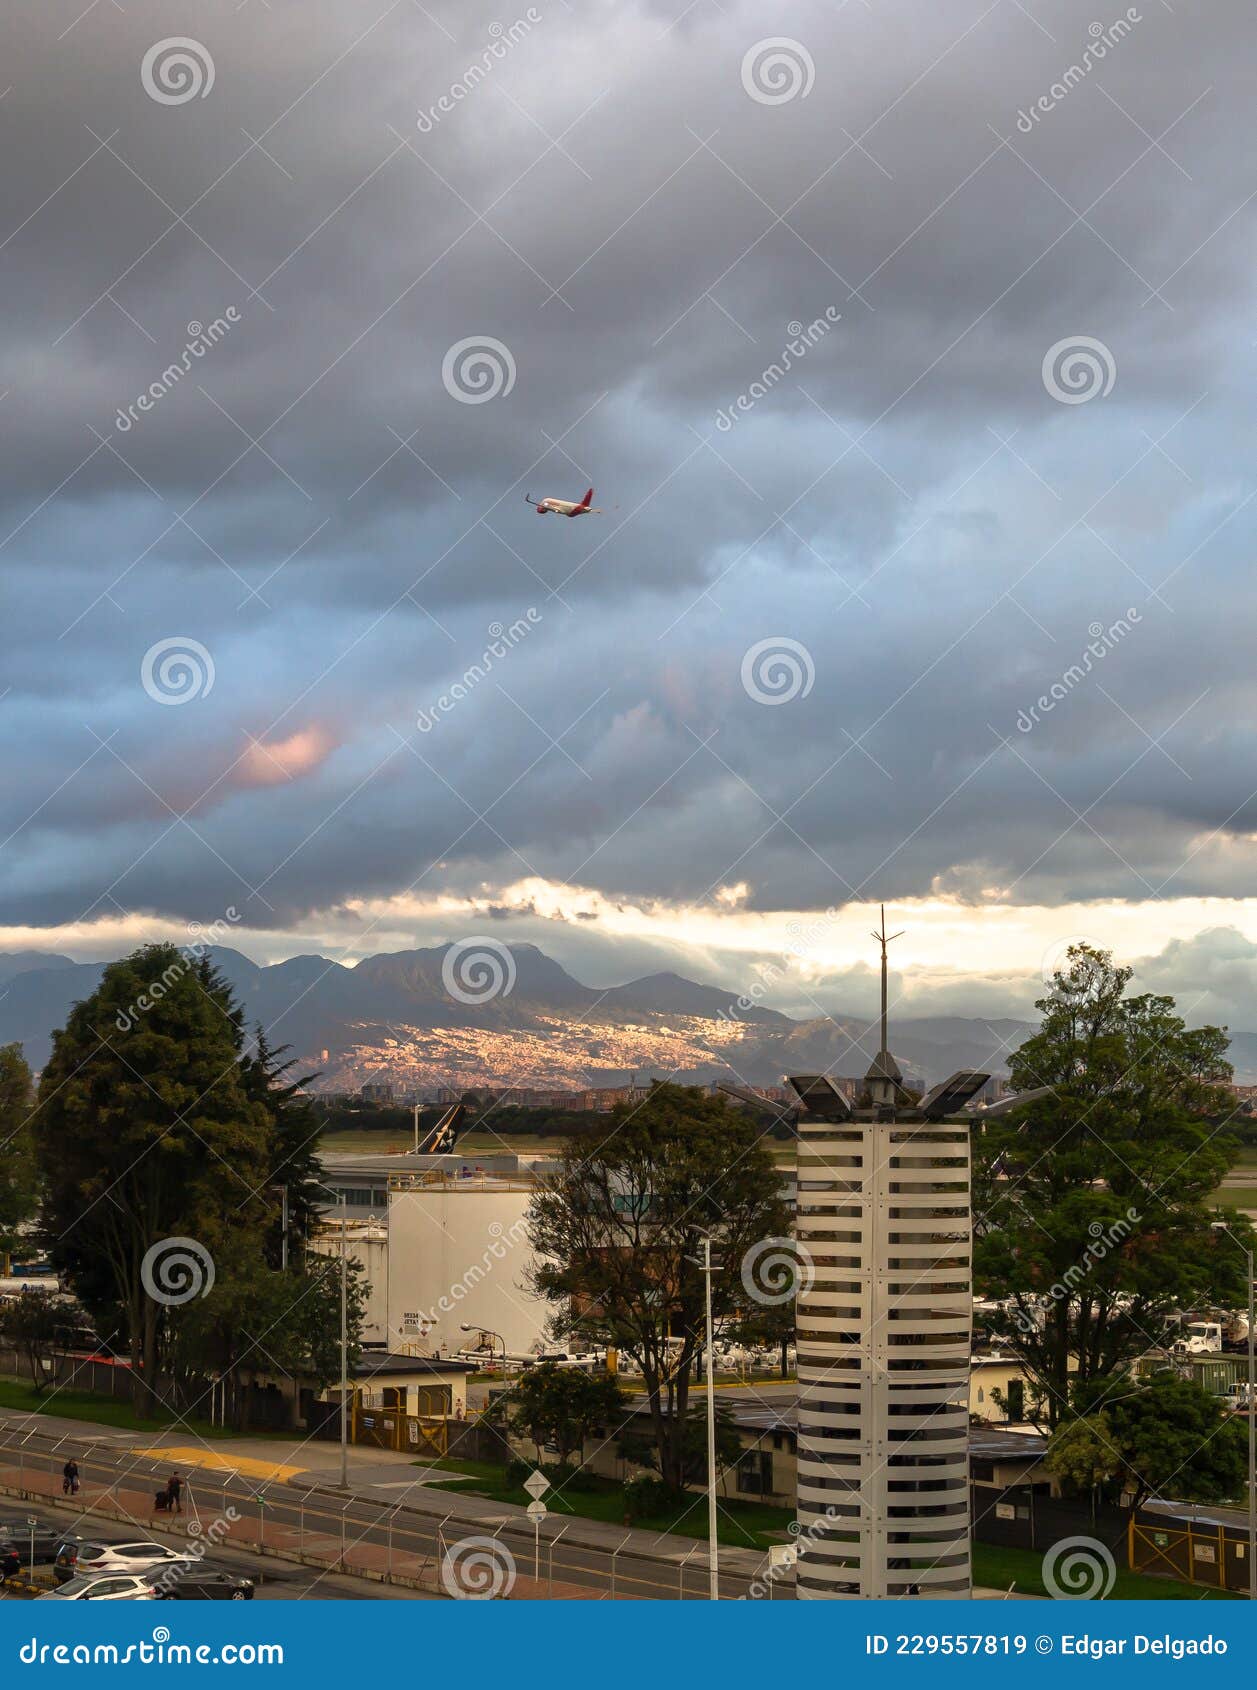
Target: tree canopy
x: 19, y: 1183
x: 618, y: 1232
x: 1092, y: 1207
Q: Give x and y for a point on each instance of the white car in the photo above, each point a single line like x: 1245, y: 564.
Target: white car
x: 103, y: 1587
x: 74, y: 1559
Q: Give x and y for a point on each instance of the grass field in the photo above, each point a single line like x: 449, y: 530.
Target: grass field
x: 19, y: 1396
x: 744, y: 1525
x: 1023, y: 1570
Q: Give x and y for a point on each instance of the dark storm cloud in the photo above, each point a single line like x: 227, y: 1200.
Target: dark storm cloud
x: 310, y: 503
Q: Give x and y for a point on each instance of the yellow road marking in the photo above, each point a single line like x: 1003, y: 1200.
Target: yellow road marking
x: 249, y: 1466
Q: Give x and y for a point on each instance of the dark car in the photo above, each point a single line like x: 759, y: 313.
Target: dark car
x: 196, y: 1582
x: 15, y: 1546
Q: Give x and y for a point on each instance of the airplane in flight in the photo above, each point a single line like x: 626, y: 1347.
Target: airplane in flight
x: 564, y: 507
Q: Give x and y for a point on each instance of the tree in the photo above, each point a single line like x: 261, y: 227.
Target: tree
x: 34, y: 1326
x: 641, y: 1449
x: 561, y: 1407
x: 1092, y: 1206
x: 1168, y: 1437
x: 147, y: 1133
x: 261, y: 1319
x: 618, y: 1232
x: 19, y: 1186
x: 769, y: 1325
x: 294, y: 1136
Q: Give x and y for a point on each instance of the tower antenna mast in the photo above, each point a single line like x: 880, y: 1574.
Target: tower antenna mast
x: 883, y: 938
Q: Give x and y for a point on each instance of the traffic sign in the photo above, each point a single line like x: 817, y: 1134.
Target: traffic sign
x: 537, y: 1510
x: 536, y: 1484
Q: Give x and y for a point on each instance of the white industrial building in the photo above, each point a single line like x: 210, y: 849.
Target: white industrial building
x: 458, y: 1257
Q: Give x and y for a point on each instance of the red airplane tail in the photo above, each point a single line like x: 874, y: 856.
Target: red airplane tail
x: 587, y: 500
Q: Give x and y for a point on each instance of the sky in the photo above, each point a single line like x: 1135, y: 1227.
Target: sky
x: 908, y: 349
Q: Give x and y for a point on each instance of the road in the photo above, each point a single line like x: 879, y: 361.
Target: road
x: 274, y: 1580
x: 428, y: 1538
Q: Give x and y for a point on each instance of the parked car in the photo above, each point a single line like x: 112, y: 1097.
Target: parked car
x: 102, y: 1587
x: 195, y: 1582
x: 15, y: 1546
x: 74, y: 1557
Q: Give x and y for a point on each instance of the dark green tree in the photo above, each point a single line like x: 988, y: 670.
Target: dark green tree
x: 19, y: 1184
x: 35, y: 1327
x: 1092, y: 1207
x: 561, y: 1407
x: 294, y: 1137
x: 618, y: 1232
x: 641, y: 1449
x: 258, y: 1319
x: 146, y: 1132
x: 1167, y: 1437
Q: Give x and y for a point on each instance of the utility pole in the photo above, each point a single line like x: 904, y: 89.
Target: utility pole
x: 713, y: 1545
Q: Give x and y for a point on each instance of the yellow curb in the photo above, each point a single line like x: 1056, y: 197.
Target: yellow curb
x: 180, y: 1455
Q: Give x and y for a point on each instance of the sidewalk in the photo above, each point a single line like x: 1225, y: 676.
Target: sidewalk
x: 384, y: 1478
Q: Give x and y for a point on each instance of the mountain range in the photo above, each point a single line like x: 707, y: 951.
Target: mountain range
x: 391, y: 1018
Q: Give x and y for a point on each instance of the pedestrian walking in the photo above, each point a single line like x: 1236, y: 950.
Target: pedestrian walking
x: 70, y: 1478
x: 174, y: 1490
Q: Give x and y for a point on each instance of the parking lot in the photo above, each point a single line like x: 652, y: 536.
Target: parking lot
x: 274, y: 1580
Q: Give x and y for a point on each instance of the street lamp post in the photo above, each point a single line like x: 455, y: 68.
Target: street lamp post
x: 713, y: 1547
x: 466, y: 1326
x: 1221, y: 1226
